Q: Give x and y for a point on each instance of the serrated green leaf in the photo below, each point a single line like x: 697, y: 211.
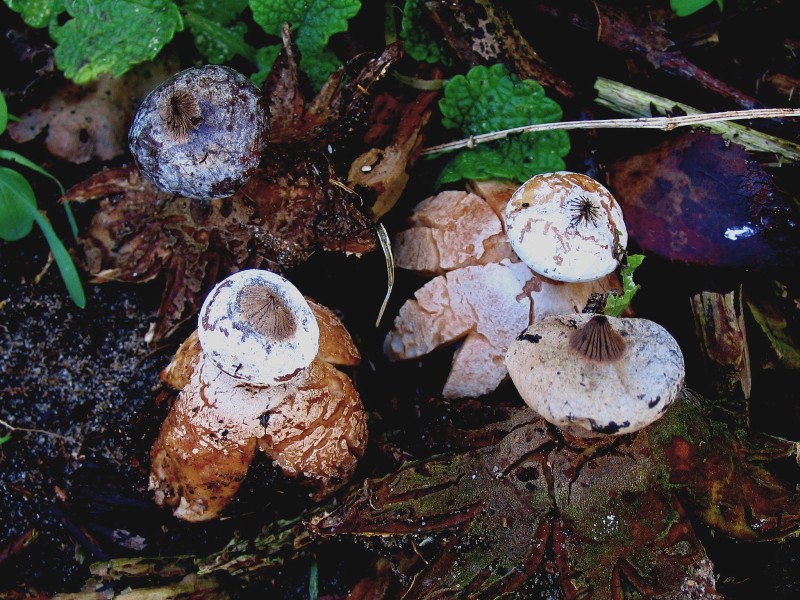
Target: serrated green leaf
x: 36, y: 13
x: 418, y: 42
x: 111, y: 36
x: 516, y: 158
x: 318, y: 64
x: 17, y: 205
x: 219, y: 43
x: 312, y: 22
x: 616, y: 304
x: 493, y: 99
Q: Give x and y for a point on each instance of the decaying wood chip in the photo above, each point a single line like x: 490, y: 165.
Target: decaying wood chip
x: 719, y: 324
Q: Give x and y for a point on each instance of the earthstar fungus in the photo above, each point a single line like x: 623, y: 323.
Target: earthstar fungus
x: 594, y: 375
x: 298, y: 408
x: 481, y: 295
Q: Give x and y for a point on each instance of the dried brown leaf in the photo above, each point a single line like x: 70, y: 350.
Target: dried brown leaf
x: 91, y: 121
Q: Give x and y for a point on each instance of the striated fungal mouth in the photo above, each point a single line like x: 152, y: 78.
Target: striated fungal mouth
x: 584, y: 212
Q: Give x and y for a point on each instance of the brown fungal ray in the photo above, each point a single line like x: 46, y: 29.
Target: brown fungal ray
x: 597, y: 340
x: 317, y: 430
x: 204, y: 448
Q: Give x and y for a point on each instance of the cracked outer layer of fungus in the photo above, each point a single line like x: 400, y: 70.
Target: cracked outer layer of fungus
x: 312, y: 425
x: 481, y: 295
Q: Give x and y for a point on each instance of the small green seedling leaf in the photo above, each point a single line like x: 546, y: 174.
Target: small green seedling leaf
x: 683, y: 8
x: 12, y: 156
x: 3, y: 114
x: 17, y: 205
x: 108, y: 36
x: 18, y: 212
x: 493, y: 99
x: 616, y: 304
x: 312, y: 22
x: 5, y: 438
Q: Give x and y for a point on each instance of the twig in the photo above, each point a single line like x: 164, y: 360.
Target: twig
x: 12, y: 428
x: 636, y: 103
x: 665, y: 123
x: 386, y: 245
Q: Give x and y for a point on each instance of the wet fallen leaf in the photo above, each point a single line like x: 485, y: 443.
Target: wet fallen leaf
x: 617, y: 513
x: 698, y: 199
x: 83, y: 122
x: 381, y: 173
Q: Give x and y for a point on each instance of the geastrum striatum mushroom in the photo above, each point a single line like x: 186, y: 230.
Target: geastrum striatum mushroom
x: 258, y: 373
x: 482, y: 294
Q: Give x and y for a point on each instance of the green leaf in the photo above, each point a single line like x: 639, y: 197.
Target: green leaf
x: 21, y: 160
x: 5, y: 438
x: 493, y: 99
x: 18, y: 211
x: 516, y: 158
x: 418, y: 41
x: 17, y: 205
x: 36, y: 13
x: 683, y: 8
x: 616, y: 304
x: 3, y: 114
x: 64, y: 262
x: 312, y: 22
x: 219, y: 43
x: 111, y: 36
